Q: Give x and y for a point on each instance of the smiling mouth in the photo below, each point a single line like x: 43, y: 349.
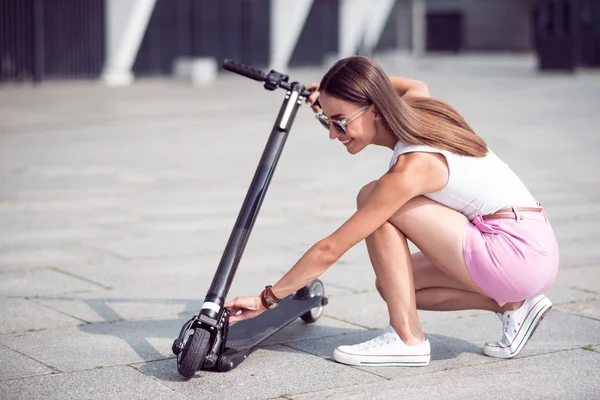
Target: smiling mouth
x: 345, y: 142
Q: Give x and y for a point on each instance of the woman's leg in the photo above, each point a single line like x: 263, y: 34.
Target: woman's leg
x: 437, y: 231
x: 437, y: 291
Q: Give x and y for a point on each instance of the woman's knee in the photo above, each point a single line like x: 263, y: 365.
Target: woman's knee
x: 364, y: 193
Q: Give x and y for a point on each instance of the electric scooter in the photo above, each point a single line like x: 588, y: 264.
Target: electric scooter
x: 206, y: 341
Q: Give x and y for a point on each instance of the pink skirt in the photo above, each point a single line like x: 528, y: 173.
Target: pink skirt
x: 509, y: 259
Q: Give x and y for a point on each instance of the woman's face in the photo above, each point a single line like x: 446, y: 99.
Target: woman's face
x: 360, y: 132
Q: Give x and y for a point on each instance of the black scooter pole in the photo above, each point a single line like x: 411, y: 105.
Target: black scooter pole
x: 219, y: 288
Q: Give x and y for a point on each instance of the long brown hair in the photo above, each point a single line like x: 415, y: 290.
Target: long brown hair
x: 417, y: 121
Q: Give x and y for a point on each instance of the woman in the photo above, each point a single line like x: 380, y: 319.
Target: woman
x: 485, y: 242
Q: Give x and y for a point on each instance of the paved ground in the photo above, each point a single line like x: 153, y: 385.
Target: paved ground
x: 115, y: 206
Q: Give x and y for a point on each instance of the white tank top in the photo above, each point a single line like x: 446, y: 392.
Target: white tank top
x: 475, y: 185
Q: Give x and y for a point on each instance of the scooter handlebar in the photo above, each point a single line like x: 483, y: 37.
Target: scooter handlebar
x: 259, y: 75
x: 244, y: 70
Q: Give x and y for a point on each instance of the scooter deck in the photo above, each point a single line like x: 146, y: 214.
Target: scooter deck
x: 248, y: 334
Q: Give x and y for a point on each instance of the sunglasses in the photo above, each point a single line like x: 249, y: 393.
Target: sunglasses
x: 340, y: 125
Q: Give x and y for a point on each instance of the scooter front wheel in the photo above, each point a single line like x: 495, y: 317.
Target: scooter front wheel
x: 192, y: 356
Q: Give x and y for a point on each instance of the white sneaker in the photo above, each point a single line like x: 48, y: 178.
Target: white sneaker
x: 518, y: 326
x: 384, y: 350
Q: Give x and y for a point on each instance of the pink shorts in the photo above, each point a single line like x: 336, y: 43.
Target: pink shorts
x: 510, y: 259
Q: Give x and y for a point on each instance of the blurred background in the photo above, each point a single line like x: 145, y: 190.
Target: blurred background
x: 118, y: 40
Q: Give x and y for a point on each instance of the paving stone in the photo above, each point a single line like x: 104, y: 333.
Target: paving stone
x: 558, y: 331
x: 121, y: 274
x: 15, y: 365
x: 590, y: 309
x: 363, y: 309
x: 20, y: 315
x: 105, y: 383
x: 118, y: 305
x: 579, y: 253
x: 19, y: 259
x: 562, y: 295
x: 50, y: 237
x: 368, y: 309
x: 162, y: 245
x: 268, y: 372
x: 458, y: 342
x: 98, y: 345
x: 352, y: 277
x: 43, y: 282
x: 135, y: 223
x: 564, y: 375
x: 447, y: 352
x: 583, y: 278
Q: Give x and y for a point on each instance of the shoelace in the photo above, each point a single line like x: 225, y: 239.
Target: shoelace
x: 506, y: 320
x: 386, y: 338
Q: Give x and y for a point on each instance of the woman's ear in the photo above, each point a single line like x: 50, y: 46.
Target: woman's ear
x: 376, y: 114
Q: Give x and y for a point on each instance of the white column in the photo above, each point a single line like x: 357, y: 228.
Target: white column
x: 287, y: 20
x: 419, y: 27
x: 361, y: 24
x: 380, y: 13
x: 127, y: 21
x: 352, y: 24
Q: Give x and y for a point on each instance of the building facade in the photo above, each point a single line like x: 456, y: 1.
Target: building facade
x: 71, y: 39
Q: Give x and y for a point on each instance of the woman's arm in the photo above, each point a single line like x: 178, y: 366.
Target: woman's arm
x: 412, y: 175
x: 409, y: 88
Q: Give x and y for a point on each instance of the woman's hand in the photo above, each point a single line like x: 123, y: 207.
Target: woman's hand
x: 247, y: 307
x: 310, y: 100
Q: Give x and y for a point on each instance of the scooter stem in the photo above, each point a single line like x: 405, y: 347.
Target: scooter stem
x: 217, y: 293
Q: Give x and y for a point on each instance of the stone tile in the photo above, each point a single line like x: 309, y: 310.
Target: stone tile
x: 20, y: 315
x: 51, y: 237
x: 19, y: 259
x: 42, y: 282
x: 565, y: 375
x: 458, y: 342
x: 368, y: 309
x: 104, y: 383
x: 98, y: 345
x: 590, y: 309
x: 161, y: 245
x: 353, y: 277
x: 583, y: 278
x: 118, y: 305
x: 558, y: 331
x: 447, y: 352
x: 562, y: 295
x: 578, y: 253
x: 78, y: 197
x: 362, y: 309
x: 156, y: 293
x: 15, y: 365
x: 268, y: 372
x: 199, y: 269
x: 120, y: 274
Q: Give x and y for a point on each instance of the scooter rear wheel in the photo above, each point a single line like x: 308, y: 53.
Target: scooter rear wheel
x: 315, y: 288
x: 193, y: 355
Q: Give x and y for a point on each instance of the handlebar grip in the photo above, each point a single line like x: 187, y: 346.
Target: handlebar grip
x: 244, y: 70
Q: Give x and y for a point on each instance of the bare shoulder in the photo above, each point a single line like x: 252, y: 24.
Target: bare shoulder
x: 426, y: 171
